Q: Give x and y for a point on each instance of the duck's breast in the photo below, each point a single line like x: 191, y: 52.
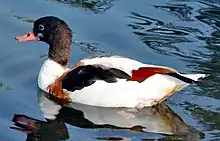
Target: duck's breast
x: 49, y: 72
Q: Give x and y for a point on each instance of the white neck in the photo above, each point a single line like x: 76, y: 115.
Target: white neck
x: 49, y: 72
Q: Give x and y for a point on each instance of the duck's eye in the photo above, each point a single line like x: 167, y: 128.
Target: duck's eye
x: 41, y: 27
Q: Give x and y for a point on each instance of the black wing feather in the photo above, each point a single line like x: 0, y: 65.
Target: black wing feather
x: 84, y: 76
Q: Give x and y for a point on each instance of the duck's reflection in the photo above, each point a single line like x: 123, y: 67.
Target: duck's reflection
x: 36, y: 130
x: 159, y: 119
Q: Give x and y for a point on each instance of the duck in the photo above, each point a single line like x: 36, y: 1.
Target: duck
x: 103, y: 81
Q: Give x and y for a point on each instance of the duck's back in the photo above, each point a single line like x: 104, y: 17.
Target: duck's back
x: 119, y: 62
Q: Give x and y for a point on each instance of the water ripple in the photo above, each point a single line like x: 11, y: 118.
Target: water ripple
x: 182, y: 11
x: 160, y: 36
x: 96, y: 6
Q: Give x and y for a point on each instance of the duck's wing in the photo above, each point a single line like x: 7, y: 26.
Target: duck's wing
x: 84, y: 76
x: 139, y: 71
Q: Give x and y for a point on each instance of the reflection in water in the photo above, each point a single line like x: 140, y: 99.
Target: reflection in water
x: 4, y: 86
x: 205, y: 116
x: 203, y: 57
x: 36, y: 130
x: 182, y: 11
x: 23, y: 19
x: 210, y: 116
x: 113, y: 139
x: 210, y: 16
x: 96, y: 6
x: 160, y: 36
x: 159, y: 119
x: 90, y: 48
x: 210, y: 59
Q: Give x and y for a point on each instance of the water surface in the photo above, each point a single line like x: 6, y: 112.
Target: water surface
x: 182, y: 34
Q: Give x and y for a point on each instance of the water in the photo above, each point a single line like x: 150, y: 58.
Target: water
x: 182, y: 34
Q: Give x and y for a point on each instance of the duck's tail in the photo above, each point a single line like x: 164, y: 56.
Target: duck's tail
x: 188, y: 78
x: 195, y: 77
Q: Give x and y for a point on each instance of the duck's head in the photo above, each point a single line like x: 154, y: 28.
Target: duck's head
x: 56, y: 33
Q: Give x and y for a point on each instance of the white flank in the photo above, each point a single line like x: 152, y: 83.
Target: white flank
x: 122, y: 93
x: 127, y: 93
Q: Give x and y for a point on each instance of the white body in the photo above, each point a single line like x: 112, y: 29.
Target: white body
x: 122, y: 93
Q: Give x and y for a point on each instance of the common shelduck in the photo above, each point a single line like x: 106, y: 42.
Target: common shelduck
x: 106, y: 81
